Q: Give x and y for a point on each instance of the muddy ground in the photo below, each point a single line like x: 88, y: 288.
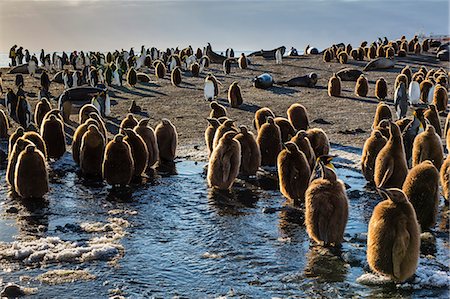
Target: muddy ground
x: 186, y: 107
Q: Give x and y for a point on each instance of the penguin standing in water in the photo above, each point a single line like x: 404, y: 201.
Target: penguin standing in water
x: 393, y: 237
x: 326, y: 207
x: 118, y: 164
x: 269, y: 141
x: 92, y: 152
x: 148, y: 135
x: 52, y: 131
x: 167, y: 139
x: 139, y: 152
x: 372, y: 147
x: 250, y: 152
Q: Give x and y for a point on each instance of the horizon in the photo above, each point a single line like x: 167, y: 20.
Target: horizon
x: 102, y: 25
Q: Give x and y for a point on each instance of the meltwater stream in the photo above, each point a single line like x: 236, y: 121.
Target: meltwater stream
x: 171, y: 236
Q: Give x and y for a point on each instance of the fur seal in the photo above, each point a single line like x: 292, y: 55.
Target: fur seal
x: 334, y: 86
x: 175, y: 76
x: 349, y: 74
x: 372, y: 147
x: 79, y: 96
x: 383, y: 112
x: 390, y: 165
x: 309, y: 80
x: 293, y: 173
x: 298, y: 116
x: 42, y: 107
x: 139, y: 151
x: 270, y: 54
x: 427, y: 146
x: 261, y: 116
x: 217, y: 110
x: 381, y: 90
x: 250, y: 152
x: 52, y: 131
x: 319, y: 141
x: 379, y: 64
x: 224, y: 163
x: 362, y: 86
x: 421, y: 187
x: 148, y: 135
x: 269, y: 141
x: 213, y: 56
x: 326, y: 208
x: 167, y: 139
x: 303, y: 144
x: 263, y: 81
x: 92, y: 152
x: 393, y: 237
x: 31, y: 176
x: 118, y: 165
x: 234, y: 95
x: 129, y: 122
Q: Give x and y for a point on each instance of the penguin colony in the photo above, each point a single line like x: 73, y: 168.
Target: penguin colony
x: 403, y: 158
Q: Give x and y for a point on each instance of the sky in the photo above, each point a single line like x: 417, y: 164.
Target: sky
x: 103, y: 25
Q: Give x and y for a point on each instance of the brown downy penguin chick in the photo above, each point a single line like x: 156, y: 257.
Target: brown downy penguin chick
x: 401, y: 78
x: 383, y: 127
x: 381, y: 52
x: 227, y: 66
x: 101, y: 124
x: 432, y: 116
x: 334, y: 86
x: 390, y: 52
x: 195, y: 69
x: 4, y: 125
x: 31, y: 175
x: 408, y: 73
x: 224, y: 163
x: 426, y: 45
x: 234, y: 95
x: 129, y: 122
x: 160, y: 70
x: 326, y: 208
x: 175, y: 77
x: 445, y: 178
x: 362, y: 86
x: 401, y: 53
x: 13, y: 138
x: 425, y: 87
x: 422, y: 189
x: 390, y: 165
x: 303, y: 144
x: 427, y: 146
x: 92, y: 151
x: 319, y: 141
x: 286, y: 128
x: 393, y: 237
x: 149, y: 137
x: 18, y: 147
x: 87, y: 109
x: 226, y: 126
x: 343, y: 57
x: 261, y: 116
x: 293, y: 173
x: 52, y: 131
x: 37, y: 140
x: 354, y: 54
x: 54, y: 112
x: 118, y: 165
x: 269, y: 141
x: 167, y: 139
x: 372, y: 147
x: 381, y: 89
x: 417, y: 49
x: 217, y: 110
x: 250, y: 152
x: 372, y: 52
x: 139, y: 151
x: 42, y: 107
x: 383, y: 112
x: 132, y: 77
x: 209, y: 134
x: 134, y: 107
x: 440, y: 98
x: 298, y: 116
x: 447, y: 132
x: 361, y: 53
x: 242, y: 61
x: 327, y: 56
x: 402, y: 124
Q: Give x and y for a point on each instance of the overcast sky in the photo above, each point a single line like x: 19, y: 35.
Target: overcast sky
x: 244, y: 25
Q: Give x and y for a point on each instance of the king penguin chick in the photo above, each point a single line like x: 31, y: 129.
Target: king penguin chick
x: 286, y: 128
x: 139, y: 151
x: 92, y: 151
x: 210, y: 132
x: 431, y: 114
x: 224, y: 162
x: 421, y: 186
x: 42, y: 107
x: 261, y: 116
x: 319, y: 141
x: 445, y: 178
x: 269, y: 141
x: 383, y: 112
x: 428, y: 146
x: 167, y: 139
x: 31, y: 176
x: 234, y: 95
x: 293, y: 173
x: 118, y: 165
x: 326, y: 208
x: 52, y: 131
x: 390, y: 165
x: 149, y: 137
x: 217, y: 110
x: 298, y: 116
x: 303, y: 144
x: 250, y: 152
x: 393, y: 238
x: 372, y: 147
x: 129, y: 122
